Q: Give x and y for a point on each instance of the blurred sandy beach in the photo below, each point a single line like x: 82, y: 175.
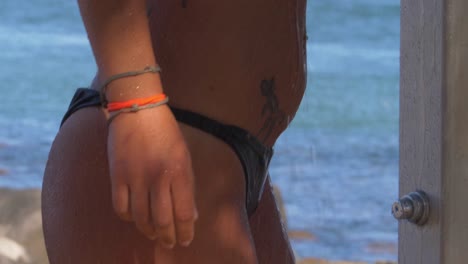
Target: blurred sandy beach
x: 21, y: 239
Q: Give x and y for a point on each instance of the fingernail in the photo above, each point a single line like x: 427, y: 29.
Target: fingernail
x: 186, y: 243
x: 196, y: 214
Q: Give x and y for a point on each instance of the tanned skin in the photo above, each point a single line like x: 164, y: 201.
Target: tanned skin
x: 147, y: 189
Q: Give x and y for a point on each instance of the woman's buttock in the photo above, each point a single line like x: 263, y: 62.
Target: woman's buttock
x: 77, y: 209
x: 240, y: 62
x: 80, y: 225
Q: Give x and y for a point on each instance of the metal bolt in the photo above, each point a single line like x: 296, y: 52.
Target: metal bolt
x: 413, y: 207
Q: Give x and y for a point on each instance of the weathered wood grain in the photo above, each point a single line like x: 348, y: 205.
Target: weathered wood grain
x: 421, y: 107
x: 455, y: 160
x: 434, y: 127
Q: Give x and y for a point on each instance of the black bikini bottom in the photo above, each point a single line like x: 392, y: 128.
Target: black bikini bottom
x: 254, y: 156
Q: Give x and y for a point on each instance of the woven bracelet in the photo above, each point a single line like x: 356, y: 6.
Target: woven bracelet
x: 135, y: 108
x: 148, y: 69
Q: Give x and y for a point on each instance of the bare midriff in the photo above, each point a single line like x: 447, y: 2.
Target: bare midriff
x: 240, y: 62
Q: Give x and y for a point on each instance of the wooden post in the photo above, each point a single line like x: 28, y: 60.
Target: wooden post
x: 455, y: 135
x: 434, y: 128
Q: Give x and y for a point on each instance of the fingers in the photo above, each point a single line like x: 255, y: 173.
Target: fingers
x: 185, y: 212
x: 120, y: 196
x: 162, y: 217
x: 140, y: 212
x: 161, y: 206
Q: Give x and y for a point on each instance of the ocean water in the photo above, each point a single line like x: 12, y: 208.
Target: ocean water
x: 337, y: 165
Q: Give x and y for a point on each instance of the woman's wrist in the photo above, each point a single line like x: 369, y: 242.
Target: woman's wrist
x: 129, y: 88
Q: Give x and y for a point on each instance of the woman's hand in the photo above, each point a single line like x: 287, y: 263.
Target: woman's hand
x: 150, y: 167
x: 151, y: 175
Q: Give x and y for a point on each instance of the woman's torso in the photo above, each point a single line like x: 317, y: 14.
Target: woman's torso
x: 241, y: 62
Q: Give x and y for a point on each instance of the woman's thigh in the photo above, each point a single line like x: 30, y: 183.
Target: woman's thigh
x: 81, y: 227
x: 271, y: 240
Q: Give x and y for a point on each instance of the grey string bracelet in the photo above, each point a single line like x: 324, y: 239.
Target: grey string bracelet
x: 148, y: 69
x: 135, y: 108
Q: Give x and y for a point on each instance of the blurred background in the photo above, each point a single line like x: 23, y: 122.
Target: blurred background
x: 336, y: 167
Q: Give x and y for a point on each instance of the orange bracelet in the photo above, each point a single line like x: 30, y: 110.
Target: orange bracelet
x: 147, y: 69
x: 134, y: 103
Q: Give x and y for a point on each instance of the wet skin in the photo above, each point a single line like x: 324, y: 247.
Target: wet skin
x: 240, y: 62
